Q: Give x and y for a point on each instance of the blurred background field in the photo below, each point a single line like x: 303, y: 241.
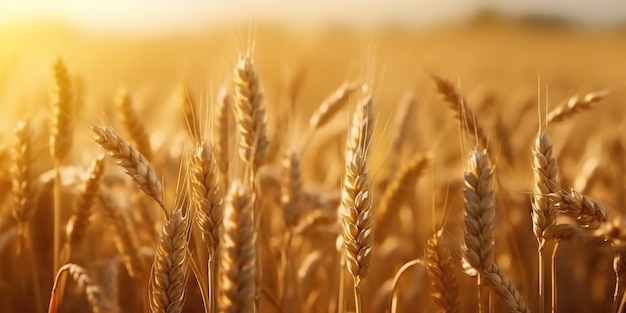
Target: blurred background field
x: 498, y: 59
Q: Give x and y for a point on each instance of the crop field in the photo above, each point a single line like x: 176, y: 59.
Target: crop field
x: 477, y: 166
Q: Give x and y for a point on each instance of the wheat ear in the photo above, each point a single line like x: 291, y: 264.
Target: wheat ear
x: 62, y: 127
x: 480, y: 210
x: 356, y: 216
x: 404, y: 121
x: 291, y: 189
x: 546, y: 181
x: 362, y: 126
x: 440, y: 268
x: 168, y: 278
x: 22, y: 180
x: 544, y: 214
x: 222, y: 132
x: 332, y: 105
x: 206, y: 195
x: 96, y: 298
x: 133, y: 125
x: 512, y: 299
x: 133, y: 161
x: 23, y: 191
x: 237, y: 288
x: 77, y: 225
x: 399, y: 190
x: 586, y: 211
x: 463, y: 112
x: 250, y: 114
x: 573, y: 106
x: 125, y: 239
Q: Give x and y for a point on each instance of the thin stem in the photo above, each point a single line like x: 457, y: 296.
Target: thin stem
x: 196, y: 272
x: 211, y: 277
x: 284, y: 270
x: 357, y: 296
x: 54, y: 296
x: 542, y: 295
x: 28, y: 245
x: 553, y: 270
x: 396, y: 280
x: 342, y: 277
x: 57, y: 215
x: 622, y: 303
x: 618, y: 277
x: 480, y: 294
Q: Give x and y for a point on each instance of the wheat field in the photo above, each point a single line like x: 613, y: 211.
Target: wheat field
x: 474, y: 167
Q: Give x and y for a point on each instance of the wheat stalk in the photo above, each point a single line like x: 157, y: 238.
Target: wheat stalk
x: 168, y: 278
x: 356, y: 216
x: 133, y: 161
x: 61, y: 138
x: 544, y: 214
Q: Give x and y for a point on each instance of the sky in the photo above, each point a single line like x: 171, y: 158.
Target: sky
x: 159, y: 15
